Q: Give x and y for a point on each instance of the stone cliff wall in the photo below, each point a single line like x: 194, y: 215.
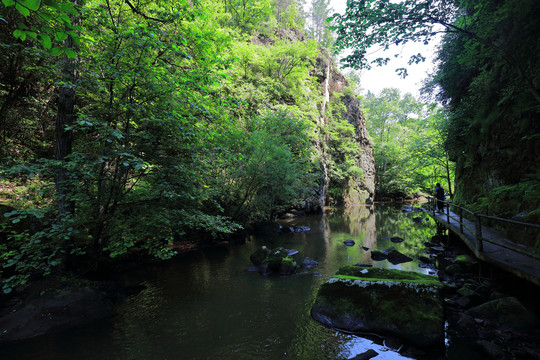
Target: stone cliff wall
x: 359, y: 190
x: 354, y: 190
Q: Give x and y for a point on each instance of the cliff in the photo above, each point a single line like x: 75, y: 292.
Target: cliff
x: 353, y: 188
x: 343, y: 152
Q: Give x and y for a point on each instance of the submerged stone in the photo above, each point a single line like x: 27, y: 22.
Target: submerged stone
x: 378, y: 255
x: 396, y: 239
x: 389, y: 302
x: 309, y: 263
x: 363, y: 265
x: 55, y: 310
x: 395, y: 257
x: 295, y: 229
x: 366, y: 355
x: 349, y: 242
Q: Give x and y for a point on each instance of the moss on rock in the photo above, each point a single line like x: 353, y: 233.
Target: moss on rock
x: 506, y: 311
x: 273, y: 261
x: 385, y: 301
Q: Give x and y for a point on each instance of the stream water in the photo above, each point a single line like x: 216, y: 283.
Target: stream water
x: 207, y: 305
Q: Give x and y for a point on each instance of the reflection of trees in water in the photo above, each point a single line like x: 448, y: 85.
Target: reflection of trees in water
x: 362, y: 221
x: 373, y: 227
x: 325, y: 227
x: 391, y: 221
x: 346, y: 223
x: 356, y: 223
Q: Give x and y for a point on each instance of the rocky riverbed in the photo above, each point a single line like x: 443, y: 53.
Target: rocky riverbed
x: 492, y: 314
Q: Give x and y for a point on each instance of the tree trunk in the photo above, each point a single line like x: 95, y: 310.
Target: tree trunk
x: 448, y: 179
x: 64, y: 137
x: 64, y: 140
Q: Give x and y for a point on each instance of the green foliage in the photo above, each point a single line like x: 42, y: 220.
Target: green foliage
x: 268, y: 167
x: 487, y: 78
x: 26, y: 192
x: 508, y: 201
x: 246, y: 15
x: 268, y: 76
x: 289, y: 13
x: 383, y: 23
x: 288, y: 261
x: 318, y: 22
x: 141, y: 157
x: 520, y: 202
x: 34, y: 245
x: 343, y: 151
x: 50, y: 24
x: 181, y: 126
x: 408, y: 139
x: 490, y: 90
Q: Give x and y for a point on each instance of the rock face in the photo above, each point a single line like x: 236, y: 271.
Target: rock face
x: 354, y: 190
x: 55, y: 310
x: 396, y: 303
x: 351, y: 189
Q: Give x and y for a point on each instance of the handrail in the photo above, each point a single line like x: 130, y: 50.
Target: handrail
x: 478, y: 225
x: 510, y: 221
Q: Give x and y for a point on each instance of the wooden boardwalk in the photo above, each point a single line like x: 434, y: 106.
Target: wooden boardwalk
x: 493, y: 246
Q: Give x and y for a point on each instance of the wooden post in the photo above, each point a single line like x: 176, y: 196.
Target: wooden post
x: 433, y: 205
x: 478, y: 226
x: 461, y: 220
x: 448, y: 213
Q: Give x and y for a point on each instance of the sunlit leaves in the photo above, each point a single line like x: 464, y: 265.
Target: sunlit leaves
x: 54, y: 18
x: 382, y: 23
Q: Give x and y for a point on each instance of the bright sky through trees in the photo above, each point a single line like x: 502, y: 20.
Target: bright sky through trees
x: 380, y: 77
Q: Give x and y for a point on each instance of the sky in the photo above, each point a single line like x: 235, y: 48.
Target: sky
x: 380, y: 77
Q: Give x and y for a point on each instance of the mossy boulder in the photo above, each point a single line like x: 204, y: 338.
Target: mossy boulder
x: 273, y: 261
x: 287, y: 266
x: 454, y: 269
x: 389, y: 302
x: 464, y: 260
x: 506, y: 311
x: 259, y: 256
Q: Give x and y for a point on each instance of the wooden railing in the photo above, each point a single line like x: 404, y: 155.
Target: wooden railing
x: 477, y: 231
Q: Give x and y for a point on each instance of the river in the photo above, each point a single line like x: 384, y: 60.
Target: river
x: 207, y: 305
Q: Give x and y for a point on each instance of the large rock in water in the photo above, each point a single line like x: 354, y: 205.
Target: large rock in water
x: 277, y: 260
x: 55, y: 310
x: 389, y: 302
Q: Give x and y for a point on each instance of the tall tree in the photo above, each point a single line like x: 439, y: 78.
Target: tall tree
x: 408, y: 141
x: 64, y: 122
x: 319, y: 28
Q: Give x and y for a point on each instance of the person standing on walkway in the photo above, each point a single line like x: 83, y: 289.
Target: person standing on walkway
x: 439, y: 195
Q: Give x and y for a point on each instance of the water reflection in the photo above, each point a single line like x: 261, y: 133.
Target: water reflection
x: 207, y: 305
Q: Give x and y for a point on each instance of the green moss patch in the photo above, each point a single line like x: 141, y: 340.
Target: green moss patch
x: 385, y: 301
x: 377, y: 274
